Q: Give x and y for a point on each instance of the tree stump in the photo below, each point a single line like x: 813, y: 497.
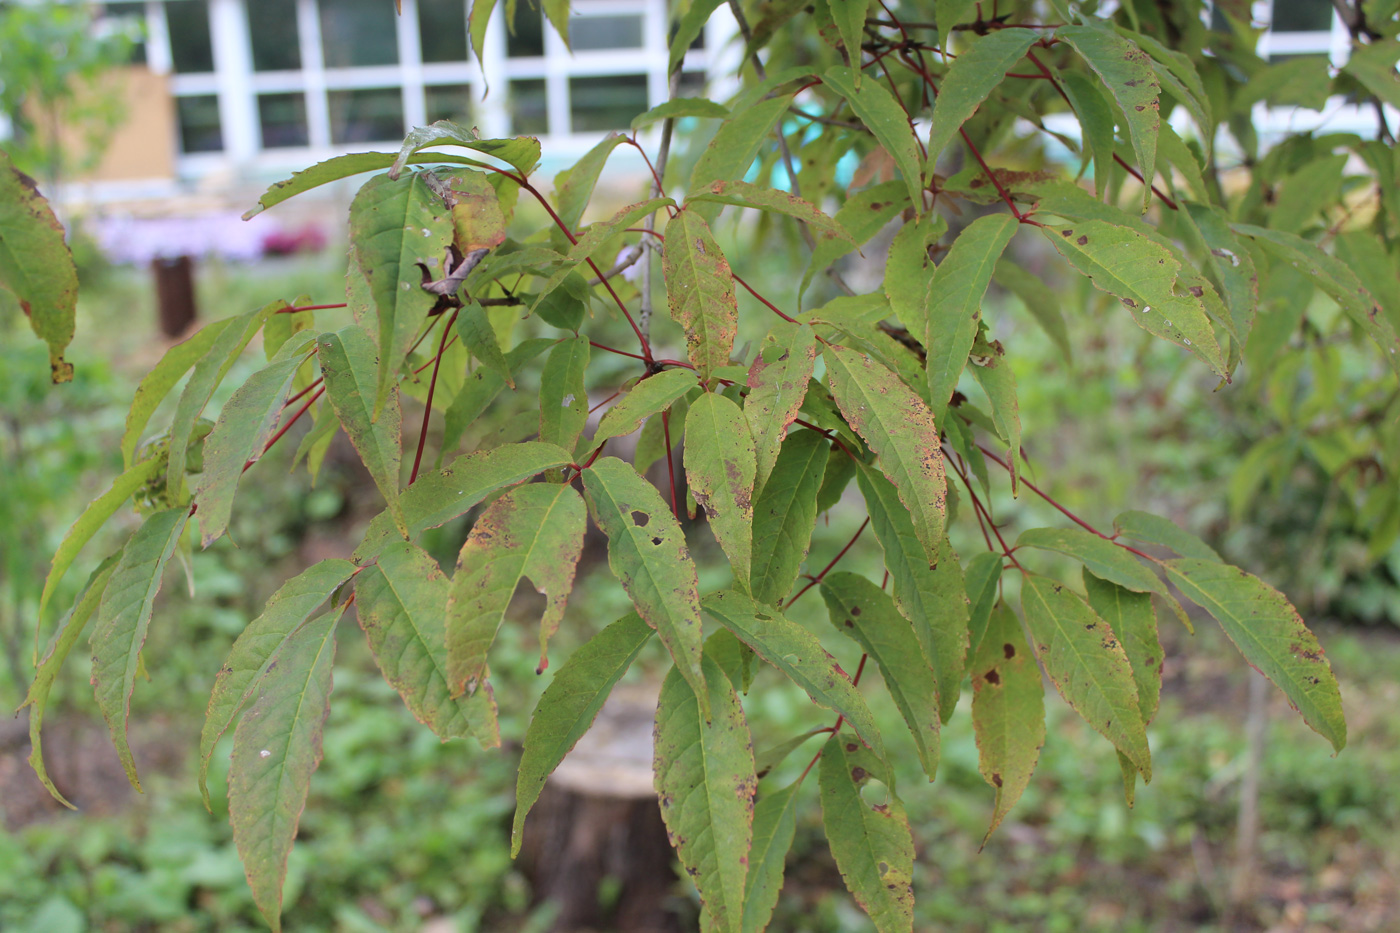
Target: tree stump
x: 595, y: 844
x: 175, y: 305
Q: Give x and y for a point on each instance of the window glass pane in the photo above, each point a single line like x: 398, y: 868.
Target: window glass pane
x: 605, y: 32
x: 692, y: 84
x: 449, y: 102
x: 283, y: 120
x: 188, y: 21
x: 358, y: 32
x: 529, y: 114
x: 127, y: 19
x: 366, y: 115
x: 606, y: 103
x: 1302, y: 15
x: 527, y: 38
x: 442, y: 30
x: 198, y: 118
x: 272, y: 25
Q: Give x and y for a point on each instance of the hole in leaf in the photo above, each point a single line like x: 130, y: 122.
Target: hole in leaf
x: 640, y: 518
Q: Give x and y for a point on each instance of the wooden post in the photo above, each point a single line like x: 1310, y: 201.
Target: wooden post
x: 175, y: 305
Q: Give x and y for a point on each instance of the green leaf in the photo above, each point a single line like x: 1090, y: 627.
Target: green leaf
x: 909, y: 271
x: 1008, y: 711
x: 276, y: 748
x: 401, y: 600
x: 209, y: 372
x: 568, y: 707
x: 573, y: 187
x: 1142, y: 275
x: 692, y: 23
x: 743, y: 194
x: 870, y: 840
x: 1373, y: 65
x: 87, y: 525
x: 563, y: 396
x: 46, y: 671
x: 1099, y: 555
x: 258, y: 646
x: 521, y: 152
x: 439, y: 497
x: 479, y: 20
x: 719, y: 471
x: 736, y: 144
x: 1333, y: 277
x: 862, y: 216
x: 1272, y: 637
x: 849, y: 16
x: 161, y: 379
x: 36, y: 265
x: 479, y: 390
x: 1096, y: 123
x: 881, y: 114
x: 705, y: 779
x: 1231, y: 263
x: 1156, y: 530
x: 972, y: 76
x: 123, y: 616
x: 899, y: 427
x: 774, y: 825
x: 928, y: 586
x: 983, y: 573
x: 950, y: 13
x: 700, y: 291
x: 345, y: 166
x: 1127, y: 74
x: 534, y: 531
x: 680, y: 107
x: 1366, y: 256
x: 784, y: 515
x: 593, y: 240
x: 1134, y: 621
x: 1087, y: 664
x: 953, y: 306
x: 244, y: 426
x: 1039, y: 301
x: 474, y: 327
x: 648, y: 554
x: 798, y: 654
x: 348, y: 364
x: 863, y: 611
x: 557, y: 12
x: 777, y: 383
x: 396, y: 226
x: 649, y: 397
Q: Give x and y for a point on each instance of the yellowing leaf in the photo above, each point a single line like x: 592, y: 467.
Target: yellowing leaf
x: 870, y: 839
x: 1271, y: 636
x: 719, y: 468
x: 899, y: 427
x: 534, y: 531
x: 705, y: 778
x: 700, y: 291
x: 1087, y: 664
x: 1008, y: 711
x: 401, y: 601
x: 36, y: 266
x: 648, y: 554
x: 777, y: 383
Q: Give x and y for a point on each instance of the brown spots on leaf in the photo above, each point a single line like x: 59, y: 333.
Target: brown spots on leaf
x: 858, y: 774
x: 1067, y: 233
x: 1197, y: 290
x: 855, y: 610
x: 1082, y: 241
x: 1128, y: 303
x: 851, y: 747
x: 992, y: 677
x: 1008, y: 650
x: 996, y: 779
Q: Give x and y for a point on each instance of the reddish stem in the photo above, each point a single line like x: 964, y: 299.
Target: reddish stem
x: 827, y: 569
x: 603, y: 346
x: 771, y: 307
x: 311, y: 308
x: 283, y: 430
x: 428, y: 406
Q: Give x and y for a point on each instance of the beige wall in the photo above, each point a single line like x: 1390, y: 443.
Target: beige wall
x: 142, y: 147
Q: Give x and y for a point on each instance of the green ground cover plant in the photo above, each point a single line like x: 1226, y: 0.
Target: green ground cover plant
x: 899, y: 395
